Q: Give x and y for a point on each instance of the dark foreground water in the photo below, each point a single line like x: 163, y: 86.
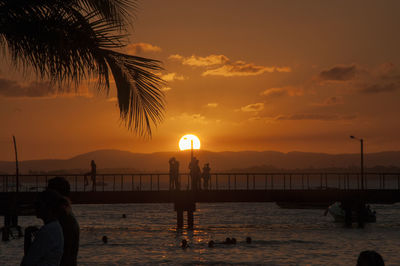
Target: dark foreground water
x: 280, y: 236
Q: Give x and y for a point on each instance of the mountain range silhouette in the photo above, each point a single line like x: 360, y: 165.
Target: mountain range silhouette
x: 252, y: 161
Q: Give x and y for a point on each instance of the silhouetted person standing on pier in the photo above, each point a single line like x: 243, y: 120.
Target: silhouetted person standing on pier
x: 195, y: 173
x: 92, y: 173
x: 171, y: 173
x: 176, y: 175
x: 206, y: 175
x: 68, y: 223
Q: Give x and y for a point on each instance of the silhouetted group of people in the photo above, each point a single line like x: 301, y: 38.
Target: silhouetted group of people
x: 195, y: 174
x: 57, y: 241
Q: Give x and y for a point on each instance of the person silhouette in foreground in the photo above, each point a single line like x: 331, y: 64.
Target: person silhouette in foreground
x: 370, y: 258
x: 206, y: 175
x: 68, y: 222
x: 48, y: 244
x: 92, y: 173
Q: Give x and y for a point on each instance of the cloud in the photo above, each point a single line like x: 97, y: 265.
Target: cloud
x: 172, y: 77
x: 12, y: 88
x: 339, y: 73
x: 164, y: 89
x: 315, y: 116
x: 194, y: 118
x: 112, y: 99
x: 221, y: 65
x: 175, y: 57
x: 334, y: 100
x: 200, y: 61
x: 379, y: 88
x: 138, y: 48
x: 273, y: 92
x: 254, y: 107
x: 277, y: 92
x: 212, y: 105
x: 240, y: 69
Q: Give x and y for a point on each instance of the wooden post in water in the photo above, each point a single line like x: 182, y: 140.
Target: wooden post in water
x: 184, y: 202
x: 179, y: 218
x: 190, y: 218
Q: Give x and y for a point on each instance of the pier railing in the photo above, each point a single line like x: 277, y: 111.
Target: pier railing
x: 218, y: 181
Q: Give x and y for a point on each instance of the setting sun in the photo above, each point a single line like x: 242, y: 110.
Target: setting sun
x: 185, y: 142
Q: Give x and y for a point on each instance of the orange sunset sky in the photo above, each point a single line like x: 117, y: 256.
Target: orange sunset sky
x: 242, y: 75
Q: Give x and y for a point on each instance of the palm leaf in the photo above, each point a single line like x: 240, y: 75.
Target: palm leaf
x: 70, y: 41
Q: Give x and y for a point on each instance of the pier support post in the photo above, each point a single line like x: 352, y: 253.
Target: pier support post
x: 190, y: 219
x: 184, y: 201
x: 179, y: 218
x: 348, y: 214
x: 5, y: 231
x: 5, y: 234
x: 361, y: 214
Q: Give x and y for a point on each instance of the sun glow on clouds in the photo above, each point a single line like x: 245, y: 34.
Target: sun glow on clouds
x: 221, y: 65
x: 137, y: 48
x: 164, y: 89
x: 200, y: 61
x: 254, y: 107
x: 212, y: 105
x: 172, y: 77
x: 289, y: 91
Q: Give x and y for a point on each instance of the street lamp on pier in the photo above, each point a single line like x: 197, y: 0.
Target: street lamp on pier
x: 362, y: 159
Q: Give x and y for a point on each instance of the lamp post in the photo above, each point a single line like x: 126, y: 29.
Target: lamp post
x: 16, y: 165
x: 362, y: 160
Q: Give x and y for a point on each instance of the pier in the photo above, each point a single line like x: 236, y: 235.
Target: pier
x: 302, y: 190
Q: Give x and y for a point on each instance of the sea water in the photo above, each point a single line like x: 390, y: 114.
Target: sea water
x: 148, y: 235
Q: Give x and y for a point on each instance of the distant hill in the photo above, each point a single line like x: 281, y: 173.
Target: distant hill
x: 124, y: 161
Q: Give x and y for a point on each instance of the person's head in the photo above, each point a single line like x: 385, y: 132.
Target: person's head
x: 92, y: 163
x: 370, y: 258
x: 49, y: 205
x: 248, y: 240
x: 211, y: 244
x: 184, y: 243
x: 59, y: 184
x: 104, y: 239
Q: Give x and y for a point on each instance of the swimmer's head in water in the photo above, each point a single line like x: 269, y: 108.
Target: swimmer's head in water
x: 184, y: 243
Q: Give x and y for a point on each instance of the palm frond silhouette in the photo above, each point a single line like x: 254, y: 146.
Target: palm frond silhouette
x: 68, y: 41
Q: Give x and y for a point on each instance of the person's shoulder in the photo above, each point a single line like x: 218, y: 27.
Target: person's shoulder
x: 69, y: 221
x: 50, y: 230
x: 54, y: 225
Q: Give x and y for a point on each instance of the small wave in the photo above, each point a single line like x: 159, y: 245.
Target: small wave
x: 286, y: 242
